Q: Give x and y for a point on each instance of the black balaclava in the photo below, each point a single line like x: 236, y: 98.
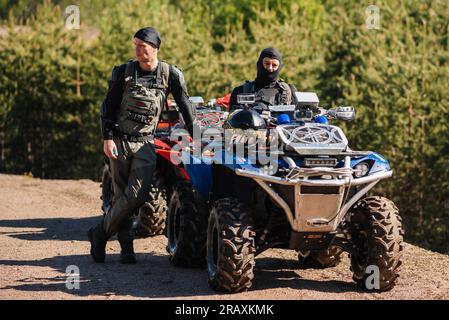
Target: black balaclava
x: 264, y: 77
x: 150, y: 35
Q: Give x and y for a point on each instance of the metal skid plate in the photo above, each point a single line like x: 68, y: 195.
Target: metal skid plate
x: 313, y: 138
x: 317, y: 212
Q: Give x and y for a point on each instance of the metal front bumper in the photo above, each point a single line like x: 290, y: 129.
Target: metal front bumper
x: 316, y: 212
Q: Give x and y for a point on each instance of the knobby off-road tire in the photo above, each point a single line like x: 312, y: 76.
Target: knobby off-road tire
x: 186, y: 228
x: 150, y: 220
x: 322, y: 259
x: 376, y: 231
x: 230, y: 246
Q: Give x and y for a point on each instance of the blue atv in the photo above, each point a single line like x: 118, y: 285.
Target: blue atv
x: 302, y: 189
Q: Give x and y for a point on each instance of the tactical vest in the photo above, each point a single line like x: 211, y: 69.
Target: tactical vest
x: 143, y: 100
x: 277, y: 93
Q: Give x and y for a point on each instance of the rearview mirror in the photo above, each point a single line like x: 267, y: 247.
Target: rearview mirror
x: 346, y: 113
x: 198, y: 101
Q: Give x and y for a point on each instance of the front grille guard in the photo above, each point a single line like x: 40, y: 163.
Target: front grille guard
x: 297, y: 177
x: 313, y: 138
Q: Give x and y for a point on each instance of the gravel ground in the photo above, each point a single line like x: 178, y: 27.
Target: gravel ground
x: 43, y: 225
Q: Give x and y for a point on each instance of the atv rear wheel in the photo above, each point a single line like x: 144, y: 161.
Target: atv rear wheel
x: 321, y: 259
x: 376, y: 231
x: 186, y: 228
x: 230, y: 246
x: 150, y: 220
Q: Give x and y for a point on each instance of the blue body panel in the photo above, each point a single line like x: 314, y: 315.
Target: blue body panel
x: 200, y: 171
x: 379, y: 162
x: 200, y: 175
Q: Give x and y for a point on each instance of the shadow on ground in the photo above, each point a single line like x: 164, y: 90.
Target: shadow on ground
x: 286, y: 273
x: 155, y: 277
x: 64, y: 229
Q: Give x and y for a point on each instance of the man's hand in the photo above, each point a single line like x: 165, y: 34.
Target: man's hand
x: 110, y: 149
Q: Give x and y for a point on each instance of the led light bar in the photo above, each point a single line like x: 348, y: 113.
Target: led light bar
x: 320, y: 162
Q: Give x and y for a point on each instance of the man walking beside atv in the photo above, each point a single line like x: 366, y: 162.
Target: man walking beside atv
x: 130, y: 113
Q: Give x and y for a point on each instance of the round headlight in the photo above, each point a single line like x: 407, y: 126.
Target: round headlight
x: 361, y: 169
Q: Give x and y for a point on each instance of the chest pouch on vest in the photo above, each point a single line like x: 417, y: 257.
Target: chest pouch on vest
x: 141, y: 107
x: 143, y: 99
x: 143, y: 103
x: 267, y: 95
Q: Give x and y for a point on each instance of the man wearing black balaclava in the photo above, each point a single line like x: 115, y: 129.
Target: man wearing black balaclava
x: 130, y: 113
x: 268, y: 87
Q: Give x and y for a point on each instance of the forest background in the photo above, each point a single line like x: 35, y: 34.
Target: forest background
x: 391, y: 62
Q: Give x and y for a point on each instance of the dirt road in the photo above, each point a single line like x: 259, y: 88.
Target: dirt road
x: 43, y: 226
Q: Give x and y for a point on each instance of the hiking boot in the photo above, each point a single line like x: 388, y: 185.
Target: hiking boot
x: 97, y: 238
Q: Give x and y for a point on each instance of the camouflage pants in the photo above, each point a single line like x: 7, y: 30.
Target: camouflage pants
x: 132, y: 174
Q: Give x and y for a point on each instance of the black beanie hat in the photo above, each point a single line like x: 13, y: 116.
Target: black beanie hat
x: 265, y: 77
x: 150, y: 35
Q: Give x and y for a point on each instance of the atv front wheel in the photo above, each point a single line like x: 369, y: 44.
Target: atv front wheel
x: 321, y: 259
x: 186, y: 228
x: 230, y: 246
x: 376, y: 231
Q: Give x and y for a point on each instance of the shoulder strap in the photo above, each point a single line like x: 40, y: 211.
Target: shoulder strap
x: 163, y: 74
x: 286, y: 94
x: 131, y: 69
